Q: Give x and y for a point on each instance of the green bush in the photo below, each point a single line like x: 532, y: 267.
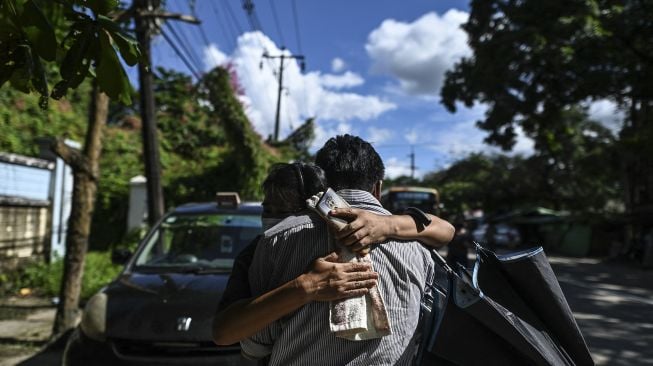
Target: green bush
x: 45, y: 279
x: 98, y: 272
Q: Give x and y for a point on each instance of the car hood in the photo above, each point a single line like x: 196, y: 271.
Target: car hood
x: 150, y: 307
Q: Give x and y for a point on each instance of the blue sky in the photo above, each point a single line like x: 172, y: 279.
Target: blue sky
x: 373, y: 69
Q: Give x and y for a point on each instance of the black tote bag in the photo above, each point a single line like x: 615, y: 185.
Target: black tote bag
x: 509, y: 311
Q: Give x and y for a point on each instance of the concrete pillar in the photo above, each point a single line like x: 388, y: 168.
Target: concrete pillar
x: 137, y: 212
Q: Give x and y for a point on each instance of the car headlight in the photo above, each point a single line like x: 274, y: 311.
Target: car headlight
x: 94, y: 317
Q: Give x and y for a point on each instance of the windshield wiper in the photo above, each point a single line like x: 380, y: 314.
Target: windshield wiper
x: 201, y: 270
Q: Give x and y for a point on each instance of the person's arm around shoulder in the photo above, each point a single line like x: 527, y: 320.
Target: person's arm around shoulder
x: 366, y: 228
x: 327, y: 280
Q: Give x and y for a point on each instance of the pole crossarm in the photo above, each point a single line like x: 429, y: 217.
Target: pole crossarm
x: 174, y: 16
x: 298, y: 57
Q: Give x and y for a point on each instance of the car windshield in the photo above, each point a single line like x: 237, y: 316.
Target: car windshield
x: 207, y: 242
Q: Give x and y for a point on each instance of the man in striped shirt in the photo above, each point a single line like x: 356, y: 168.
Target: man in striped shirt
x: 354, y: 169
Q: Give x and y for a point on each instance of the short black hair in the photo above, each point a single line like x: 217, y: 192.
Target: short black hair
x: 288, y: 185
x: 350, y: 162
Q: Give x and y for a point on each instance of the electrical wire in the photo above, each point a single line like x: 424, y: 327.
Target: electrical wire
x: 252, y: 18
x: 225, y: 28
x: 191, y: 55
x: 182, y: 29
x: 180, y: 54
x: 233, y: 17
x: 276, y: 22
x: 296, y: 21
x: 191, y: 7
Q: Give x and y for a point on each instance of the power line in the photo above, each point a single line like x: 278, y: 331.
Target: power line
x: 229, y: 37
x: 191, y: 55
x: 182, y: 30
x: 181, y: 39
x: 191, y: 7
x: 294, y: 12
x: 299, y: 48
x: 276, y: 22
x: 233, y: 17
x: 178, y: 52
x: 254, y: 23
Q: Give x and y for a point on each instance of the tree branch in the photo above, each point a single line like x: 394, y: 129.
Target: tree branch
x: 72, y: 157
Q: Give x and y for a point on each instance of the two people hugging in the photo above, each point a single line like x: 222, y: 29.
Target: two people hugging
x: 277, y: 302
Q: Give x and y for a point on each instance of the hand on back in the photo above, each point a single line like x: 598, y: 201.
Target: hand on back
x: 363, y: 229
x: 329, y: 280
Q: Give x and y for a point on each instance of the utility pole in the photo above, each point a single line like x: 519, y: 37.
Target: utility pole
x: 412, y: 162
x: 145, y: 13
x: 281, y: 66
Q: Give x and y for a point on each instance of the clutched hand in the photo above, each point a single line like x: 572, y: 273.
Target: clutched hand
x: 363, y: 229
x: 329, y: 280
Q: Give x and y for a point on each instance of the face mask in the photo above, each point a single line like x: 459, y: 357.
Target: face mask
x: 269, y: 222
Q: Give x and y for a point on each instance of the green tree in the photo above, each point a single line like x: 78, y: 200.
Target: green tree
x: 249, y: 157
x: 29, y: 45
x: 532, y: 61
x: 88, y: 46
x: 576, y: 170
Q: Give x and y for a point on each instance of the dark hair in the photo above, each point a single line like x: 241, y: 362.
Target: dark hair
x: 350, y: 162
x: 287, y: 187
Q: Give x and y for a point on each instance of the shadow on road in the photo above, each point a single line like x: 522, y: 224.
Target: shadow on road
x: 613, y: 304
x: 50, y: 354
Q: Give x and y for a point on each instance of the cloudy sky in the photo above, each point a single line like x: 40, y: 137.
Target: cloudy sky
x: 373, y: 69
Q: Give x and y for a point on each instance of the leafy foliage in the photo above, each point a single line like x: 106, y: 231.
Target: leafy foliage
x: 578, y: 171
x: 248, y: 157
x: 45, y: 279
x: 297, y: 144
x: 534, y: 61
x: 28, y: 39
x: 22, y: 121
x: 197, y: 157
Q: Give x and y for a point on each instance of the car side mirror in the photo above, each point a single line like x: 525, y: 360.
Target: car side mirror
x: 120, y: 256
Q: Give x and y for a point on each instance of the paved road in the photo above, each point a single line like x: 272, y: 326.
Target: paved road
x: 612, y: 302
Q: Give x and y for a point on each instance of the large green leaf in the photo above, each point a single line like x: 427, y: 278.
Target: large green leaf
x: 39, y: 81
x: 127, y: 45
x: 75, y: 55
x: 39, y: 31
x: 111, y: 77
x: 75, y: 64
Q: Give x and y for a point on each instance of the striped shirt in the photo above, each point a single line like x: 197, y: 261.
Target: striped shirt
x: 303, y: 337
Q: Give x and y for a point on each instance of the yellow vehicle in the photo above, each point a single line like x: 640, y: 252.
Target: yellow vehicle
x: 396, y: 199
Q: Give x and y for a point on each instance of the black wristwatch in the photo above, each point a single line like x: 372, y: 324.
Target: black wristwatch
x: 418, y: 215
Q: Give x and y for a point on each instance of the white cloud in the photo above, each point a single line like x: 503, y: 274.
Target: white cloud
x: 212, y: 57
x: 606, y: 112
x: 347, y: 80
x: 419, y: 53
x: 456, y: 135
x: 325, y: 131
x: 395, y: 168
x: 338, y: 64
x: 411, y: 136
x: 464, y: 137
x: 378, y: 135
x: 307, y: 93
